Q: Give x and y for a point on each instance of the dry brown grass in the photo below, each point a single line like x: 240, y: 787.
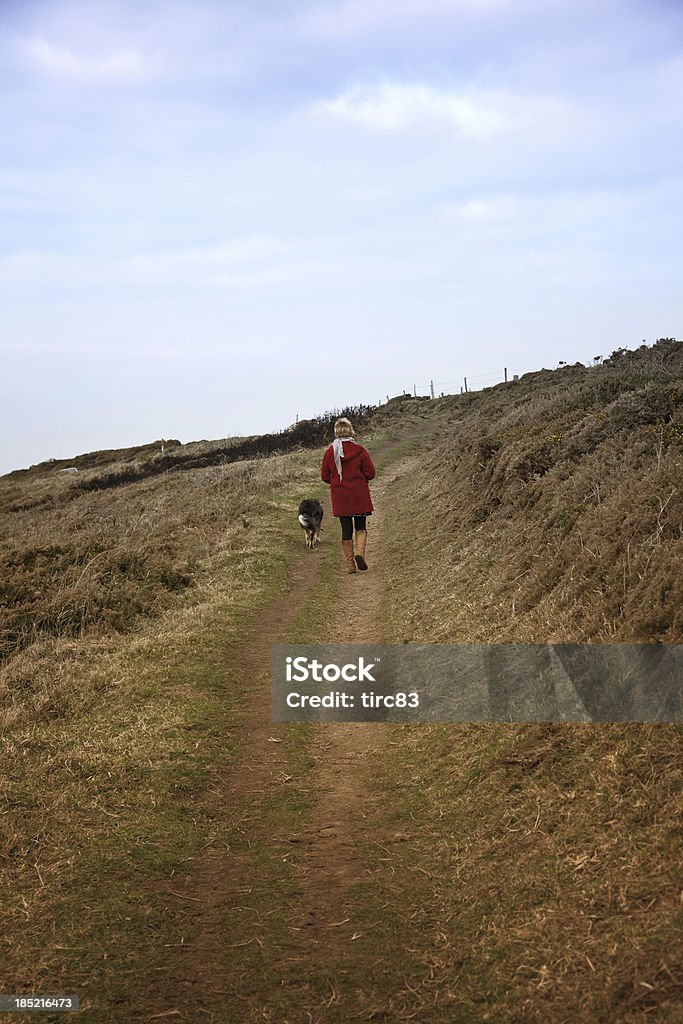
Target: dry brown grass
x: 111, y: 733
x: 100, y: 561
x: 544, y: 859
x: 530, y: 874
x: 552, y: 511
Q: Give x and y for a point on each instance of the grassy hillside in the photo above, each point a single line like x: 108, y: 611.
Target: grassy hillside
x: 544, y: 859
x: 115, y: 721
x: 511, y: 873
x: 98, y: 550
x: 551, y: 510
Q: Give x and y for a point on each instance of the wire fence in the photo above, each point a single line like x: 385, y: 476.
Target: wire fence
x: 477, y: 382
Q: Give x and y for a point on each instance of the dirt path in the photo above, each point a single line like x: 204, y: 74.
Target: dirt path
x: 324, y: 917
x: 319, y: 919
x: 218, y: 887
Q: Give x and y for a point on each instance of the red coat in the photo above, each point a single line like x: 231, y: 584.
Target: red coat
x: 351, y: 494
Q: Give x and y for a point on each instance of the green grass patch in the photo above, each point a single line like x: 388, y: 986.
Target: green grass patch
x: 107, y: 779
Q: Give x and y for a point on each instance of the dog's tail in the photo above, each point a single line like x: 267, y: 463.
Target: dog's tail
x: 307, y: 523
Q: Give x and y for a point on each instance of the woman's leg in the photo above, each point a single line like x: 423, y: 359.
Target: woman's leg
x: 346, y: 527
x: 361, y: 538
x: 347, y: 542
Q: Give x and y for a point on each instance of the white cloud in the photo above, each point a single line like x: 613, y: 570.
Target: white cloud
x: 119, y: 66
x: 353, y: 17
x: 244, y: 262
x: 395, y: 107
x: 32, y: 266
x: 365, y: 193
x: 569, y: 211
x: 261, y: 261
x: 478, y: 210
x: 569, y: 236
x: 239, y: 263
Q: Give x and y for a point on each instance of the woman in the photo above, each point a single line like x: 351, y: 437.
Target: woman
x: 347, y: 467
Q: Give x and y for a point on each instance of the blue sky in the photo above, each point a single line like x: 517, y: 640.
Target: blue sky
x: 217, y: 216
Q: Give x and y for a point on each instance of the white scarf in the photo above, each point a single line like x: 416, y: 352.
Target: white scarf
x: 338, y: 452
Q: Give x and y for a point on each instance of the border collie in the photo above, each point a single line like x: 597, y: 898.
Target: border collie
x: 310, y: 520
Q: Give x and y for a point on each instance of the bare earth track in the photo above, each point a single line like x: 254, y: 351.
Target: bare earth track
x: 319, y: 919
x: 344, y: 758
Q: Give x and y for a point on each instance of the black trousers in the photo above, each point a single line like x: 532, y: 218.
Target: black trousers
x: 348, y: 523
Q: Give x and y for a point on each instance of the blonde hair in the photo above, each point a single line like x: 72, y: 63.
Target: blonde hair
x: 343, y: 428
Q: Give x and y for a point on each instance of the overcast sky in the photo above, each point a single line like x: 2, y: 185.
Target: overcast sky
x: 215, y: 216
